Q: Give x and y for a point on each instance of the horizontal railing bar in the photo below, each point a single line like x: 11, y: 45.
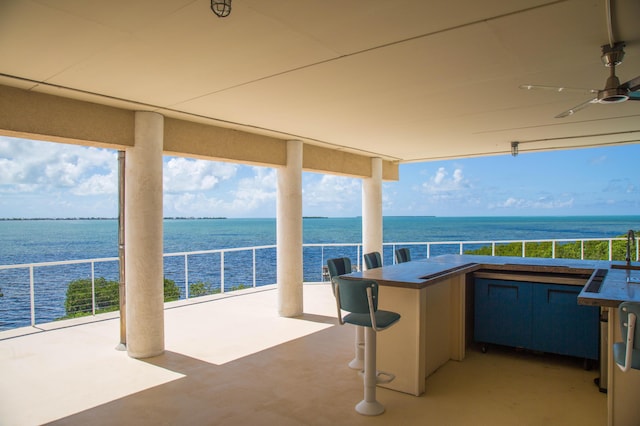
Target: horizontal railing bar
x: 60, y: 262
x: 182, y: 253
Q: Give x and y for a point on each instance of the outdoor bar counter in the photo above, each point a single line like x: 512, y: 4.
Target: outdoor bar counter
x: 433, y: 296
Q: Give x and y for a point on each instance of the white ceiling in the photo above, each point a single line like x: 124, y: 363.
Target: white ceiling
x: 407, y: 80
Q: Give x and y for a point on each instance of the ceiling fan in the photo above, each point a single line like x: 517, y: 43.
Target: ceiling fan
x: 613, y: 92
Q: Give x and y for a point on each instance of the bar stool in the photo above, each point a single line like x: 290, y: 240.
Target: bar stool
x: 403, y: 255
x: 341, y: 266
x: 360, y: 299
x: 373, y: 260
x: 627, y: 353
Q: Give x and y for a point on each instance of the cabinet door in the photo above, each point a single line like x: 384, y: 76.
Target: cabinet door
x: 502, y: 312
x: 562, y: 326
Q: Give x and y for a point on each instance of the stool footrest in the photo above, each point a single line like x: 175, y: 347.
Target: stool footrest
x: 382, y: 377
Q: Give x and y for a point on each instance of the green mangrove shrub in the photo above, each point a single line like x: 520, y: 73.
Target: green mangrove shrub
x: 593, y: 250
x: 78, y: 297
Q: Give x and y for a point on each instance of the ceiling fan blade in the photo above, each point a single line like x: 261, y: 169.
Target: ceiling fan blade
x: 634, y: 96
x: 633, y: 84
x: 577, y: 108
x: 556, y: 88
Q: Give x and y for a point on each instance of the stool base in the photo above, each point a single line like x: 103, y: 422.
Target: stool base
x: 369, y: 408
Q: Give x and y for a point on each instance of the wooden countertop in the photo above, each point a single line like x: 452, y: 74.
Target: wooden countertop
x: 609, y: 291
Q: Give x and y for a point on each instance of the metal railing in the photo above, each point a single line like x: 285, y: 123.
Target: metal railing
x: 249, y: 267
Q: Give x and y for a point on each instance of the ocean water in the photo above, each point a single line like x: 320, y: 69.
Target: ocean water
x: 33, y: 241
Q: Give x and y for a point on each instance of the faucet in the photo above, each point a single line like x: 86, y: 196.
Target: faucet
x: 631, y: 239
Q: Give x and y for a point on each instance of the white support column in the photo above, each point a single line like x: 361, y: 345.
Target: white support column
x: 289, y: 233
x: 372, y: 209
x: 371, y: 237
x: 143, y: 238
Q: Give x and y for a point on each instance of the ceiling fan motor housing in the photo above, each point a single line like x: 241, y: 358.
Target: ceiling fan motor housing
x: 612, y: 55
x: 612, y: 96
x: 613, y: 93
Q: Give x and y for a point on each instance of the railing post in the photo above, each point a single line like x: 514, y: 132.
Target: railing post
x: 610, y: 250
x: 254, y: 266
x: 428, y: 250
x: 93, y: 289
x: 581, y: 249
x: 32, y: 295
x: 461, y: 247
x: 493, y: 248
x: 523, y: 249
x: 322, y: 262
x: 186, y: 276
x: 553, y: 249
x: 222, y: 272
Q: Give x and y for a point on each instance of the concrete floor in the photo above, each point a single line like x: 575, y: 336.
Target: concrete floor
x: 233, y: 361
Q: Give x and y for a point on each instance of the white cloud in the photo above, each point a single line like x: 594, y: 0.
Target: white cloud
x: 441, y: 182
x: 543, y: 202
x: 621, y: 186
x: 183, y: 174
x: 97, y: 185
x: 254, y: 192
x: 253, y: 196
x: 332, y: 195
x: 599, y: 160
x: 30, y: 166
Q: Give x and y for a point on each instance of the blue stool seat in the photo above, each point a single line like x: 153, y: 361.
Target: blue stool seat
x: 383, y: 319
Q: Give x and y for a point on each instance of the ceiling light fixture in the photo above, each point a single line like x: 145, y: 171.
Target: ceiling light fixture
x: 222, y: 9
x: 514, y: 148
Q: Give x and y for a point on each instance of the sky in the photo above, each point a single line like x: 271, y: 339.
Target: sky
x: 44, y: 179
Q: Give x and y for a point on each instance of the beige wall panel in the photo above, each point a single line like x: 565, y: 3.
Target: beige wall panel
x: 217, y: 143
x: 390, y: 170
x: 320, y: 159
x: 39, y: 116
x: 333, y: 161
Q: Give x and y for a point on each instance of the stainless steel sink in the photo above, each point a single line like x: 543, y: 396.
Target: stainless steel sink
x: 631, y: 279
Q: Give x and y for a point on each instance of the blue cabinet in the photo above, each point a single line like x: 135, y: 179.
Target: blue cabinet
x: 503, y: 312
x: 536, y: 316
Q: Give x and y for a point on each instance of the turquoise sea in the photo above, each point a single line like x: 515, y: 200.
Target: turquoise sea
x: 31, y: 241
x: 28, y: 241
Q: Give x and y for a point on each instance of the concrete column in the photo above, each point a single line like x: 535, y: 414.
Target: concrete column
x: 289, y: 233
x: 143, y: 238
x: 372, y: 209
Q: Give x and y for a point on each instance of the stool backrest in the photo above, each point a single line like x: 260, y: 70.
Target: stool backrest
x: 352, y: 295
x: 627, y: 352
x: 339, y: 266
x: 403, y: 255
x: 625, y: 309
x: 373, y: 260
